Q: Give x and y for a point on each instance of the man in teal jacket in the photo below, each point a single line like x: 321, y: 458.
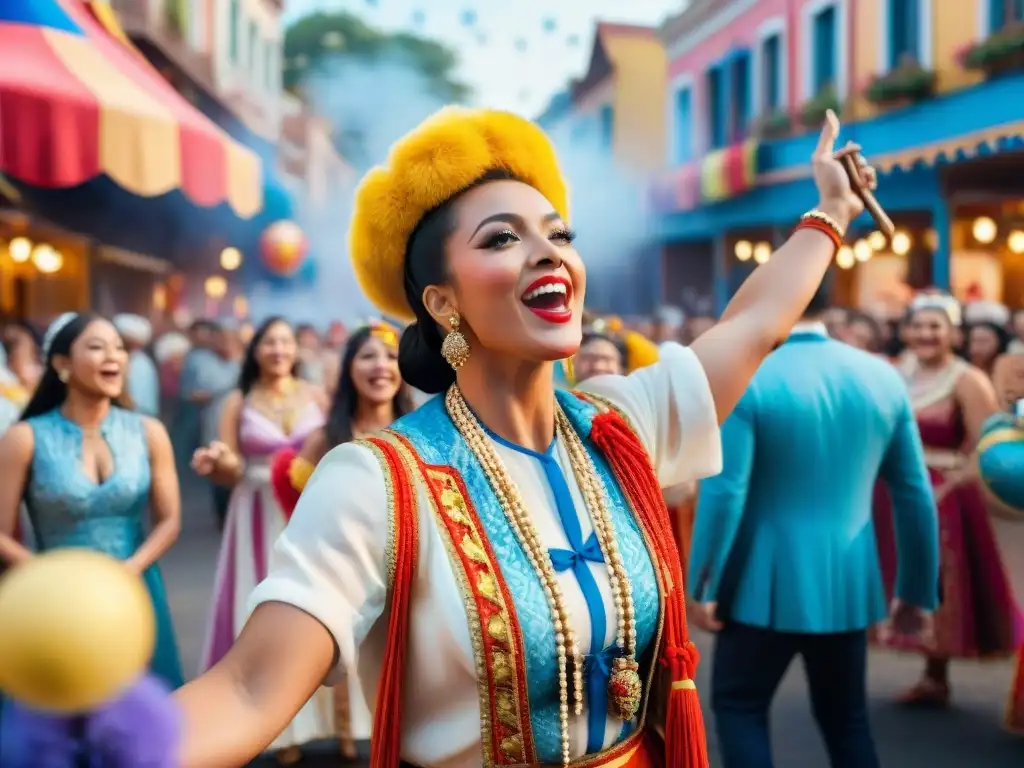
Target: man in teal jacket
x: 784, y: 560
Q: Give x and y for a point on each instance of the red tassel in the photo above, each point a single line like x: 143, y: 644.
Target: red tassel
x: 685, y: 736
x: 281, y: 483
x: 386, y: 743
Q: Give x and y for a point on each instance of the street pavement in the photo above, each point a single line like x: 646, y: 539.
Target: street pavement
x: 967, y: 736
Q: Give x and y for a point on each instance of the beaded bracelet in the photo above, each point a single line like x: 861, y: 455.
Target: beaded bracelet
x: 822, y: 222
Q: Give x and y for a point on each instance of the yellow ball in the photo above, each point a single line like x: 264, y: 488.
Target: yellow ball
x: 76, y: 629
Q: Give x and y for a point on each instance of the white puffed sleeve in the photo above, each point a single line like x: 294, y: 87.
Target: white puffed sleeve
x: 671, y: 407
x: 330, y: 561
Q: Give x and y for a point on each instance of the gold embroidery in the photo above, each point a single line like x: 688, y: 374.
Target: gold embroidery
x: 488, y: 587
x: 499, y: 665
x: 390, y: 549
x: 497, y: 629
x: 501, y: 668
x: 473, y: 550
x: 512, y: 747
x: 505, y: 704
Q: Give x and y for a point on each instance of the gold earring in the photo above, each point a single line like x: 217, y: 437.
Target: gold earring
x: 455, y: 348
x: 63, y: 376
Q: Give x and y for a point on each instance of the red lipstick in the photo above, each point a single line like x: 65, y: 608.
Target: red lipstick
x: 549, y: 298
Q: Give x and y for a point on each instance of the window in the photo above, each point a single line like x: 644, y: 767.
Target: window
x: 684, y: 125
x: 904, y: 31
x: 825, y: 47
x: 740, y: 82
x: 771, y: 74
x: 607, y: 118
x: 716, y: 108
x: 1004, y: 12
x: 233, y: 25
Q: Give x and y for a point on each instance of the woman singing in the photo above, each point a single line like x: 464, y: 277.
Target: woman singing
x: 952, y: 399
x: 91, y: 471
x: 369, y: 396
x: 499, y: 564
x: 271, y: 409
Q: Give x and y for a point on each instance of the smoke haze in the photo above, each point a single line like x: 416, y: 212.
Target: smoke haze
x: 371, y: 105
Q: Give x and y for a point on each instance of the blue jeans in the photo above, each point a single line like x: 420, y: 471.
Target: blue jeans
x: 748, y: 666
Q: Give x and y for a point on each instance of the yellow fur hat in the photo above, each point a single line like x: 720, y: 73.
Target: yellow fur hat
x: 444, y: 155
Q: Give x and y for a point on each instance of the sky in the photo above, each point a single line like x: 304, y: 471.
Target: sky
x: 510, y: 54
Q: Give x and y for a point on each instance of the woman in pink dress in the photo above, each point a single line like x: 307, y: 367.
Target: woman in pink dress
x: 951, y: 399
x: 271, y: 410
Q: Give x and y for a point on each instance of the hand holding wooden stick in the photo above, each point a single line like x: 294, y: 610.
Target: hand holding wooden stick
x: 852, y: 163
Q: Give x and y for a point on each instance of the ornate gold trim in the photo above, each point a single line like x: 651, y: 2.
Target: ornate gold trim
x: 390, y: 549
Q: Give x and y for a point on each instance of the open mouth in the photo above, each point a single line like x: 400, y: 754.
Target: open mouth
x: 111, y: 374
x: 548, y: 298
x: 381, y: 381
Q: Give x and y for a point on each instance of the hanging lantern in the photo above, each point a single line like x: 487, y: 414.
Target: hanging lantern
x: 283, y: 247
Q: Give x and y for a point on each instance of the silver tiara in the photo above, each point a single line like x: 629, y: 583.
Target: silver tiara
x: 56, y: 327
x: 942, y: 302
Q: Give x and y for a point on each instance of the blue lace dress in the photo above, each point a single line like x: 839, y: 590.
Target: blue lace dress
x: 68, y: 509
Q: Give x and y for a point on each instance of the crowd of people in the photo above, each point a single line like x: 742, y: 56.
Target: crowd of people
x: 103, y: 421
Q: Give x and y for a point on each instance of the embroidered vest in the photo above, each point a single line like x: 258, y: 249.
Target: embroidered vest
x: 510, y: 625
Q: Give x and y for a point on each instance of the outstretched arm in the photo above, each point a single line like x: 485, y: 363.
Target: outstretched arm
x: 776, y: 294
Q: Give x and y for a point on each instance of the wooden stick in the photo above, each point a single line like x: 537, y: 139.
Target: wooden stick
x: 851, y: 164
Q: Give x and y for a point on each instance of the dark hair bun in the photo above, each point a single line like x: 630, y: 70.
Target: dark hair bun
x: 420, y: 360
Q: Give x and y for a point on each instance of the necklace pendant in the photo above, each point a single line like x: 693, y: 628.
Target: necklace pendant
x: 625, y: 690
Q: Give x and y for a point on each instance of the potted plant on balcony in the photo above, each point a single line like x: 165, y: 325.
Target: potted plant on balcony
x: 1000, y: 53
x: 812, y: 113
x: 906, y: 83
x: 773, y: 124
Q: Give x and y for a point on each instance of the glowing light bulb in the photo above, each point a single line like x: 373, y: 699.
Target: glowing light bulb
x: 901, y: 243
x: 762, y: 252
x: 984, y: 230
x: 1015, y: 241
x: 215, y: 287
x: 845, y: 258
x: 743, y: 250
x: 20, y: 249
x: 862, y: 250
x: 230, y: 259
x: 47, y: 259
x: 876, y: 240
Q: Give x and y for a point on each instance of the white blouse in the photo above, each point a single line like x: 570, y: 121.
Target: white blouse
x: 330, y: 560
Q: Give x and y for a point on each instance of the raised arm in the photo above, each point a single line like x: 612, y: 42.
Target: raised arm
x: 326, y: 588
x: 775, y: 295
x: 16, y: 450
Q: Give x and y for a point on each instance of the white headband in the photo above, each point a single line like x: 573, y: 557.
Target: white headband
x: 55, y: 328
x: 941, y: 302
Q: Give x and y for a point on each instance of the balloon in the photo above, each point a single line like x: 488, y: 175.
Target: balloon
x: 573, y: 40
x: 550, y: 24
x: 78, y: 630
x: 468, y: 18
x: 283, y: 246
x: 521, y: 44
x: 419, y: 18
x: 1001, y: 464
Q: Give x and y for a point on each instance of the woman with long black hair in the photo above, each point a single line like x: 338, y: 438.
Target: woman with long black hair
x: 271, y: 409
x: 369, y: 396
x: 89, y: 468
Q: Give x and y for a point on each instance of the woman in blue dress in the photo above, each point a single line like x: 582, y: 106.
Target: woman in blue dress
x: 89, y: 469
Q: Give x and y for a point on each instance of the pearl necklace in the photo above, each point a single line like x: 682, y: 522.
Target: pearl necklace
x: 624, y: 686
